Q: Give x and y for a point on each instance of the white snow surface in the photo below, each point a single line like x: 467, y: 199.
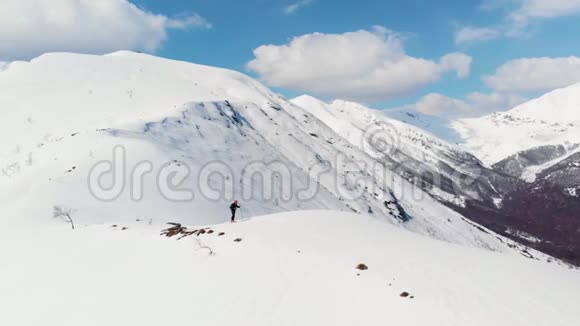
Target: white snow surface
x: 295, y: 268
x: 553, y: 119
x: 62, y: 114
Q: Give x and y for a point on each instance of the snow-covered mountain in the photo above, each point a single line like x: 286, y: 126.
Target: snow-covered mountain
x: 297, y: 268
x: 539, y: 143
x: 126, y: 142
x: 442, y: 169
x: 553, y: 119
x: 499, y: 196
x: 217, y: 131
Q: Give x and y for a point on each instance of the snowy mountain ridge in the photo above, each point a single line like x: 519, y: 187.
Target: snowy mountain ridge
x: 177, y: 116
x: 553, y: 119
x: 443, y: 170
x: 539, y: 143
x: 511, y: 197
x: 90, y: 83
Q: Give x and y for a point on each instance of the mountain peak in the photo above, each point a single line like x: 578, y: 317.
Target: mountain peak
x: 561, y: 105
x: 551, y: 119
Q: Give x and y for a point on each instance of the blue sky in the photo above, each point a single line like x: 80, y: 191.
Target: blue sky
x: 241, y: 26
x: 527, y: 47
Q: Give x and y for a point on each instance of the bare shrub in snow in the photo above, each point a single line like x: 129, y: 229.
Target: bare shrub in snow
x: 64, y: 214
x: 203, y: 246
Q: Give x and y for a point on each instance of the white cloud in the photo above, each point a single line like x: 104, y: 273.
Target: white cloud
x: 474, y: 104
x: 459, y: 62
x: 520, y: 14
x: 531, y: 10
x: 548, y: 8
x: 440, y: 105
x: 32, y: 27
x: 187, y: 21
x: 534, y: 74
x: 470, y: 34
x: 290, y: 9
x: 363, y: 65
x: 486, y: 103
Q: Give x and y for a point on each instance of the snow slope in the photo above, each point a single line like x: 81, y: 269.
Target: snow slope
x: 553, y: 119
x: 356, y: 123
x: 58, y: 92
x: 289, y: 269
x: 57, y: 127
x: 442, y: 169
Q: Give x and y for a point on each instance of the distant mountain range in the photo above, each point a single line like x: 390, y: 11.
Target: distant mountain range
x: 516, y: 172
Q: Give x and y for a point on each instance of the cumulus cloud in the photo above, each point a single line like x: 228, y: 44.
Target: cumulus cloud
x: 290, y: 9
x: 534, y: 74
x: 469, y: 34
x: 364, y: 65
x: 474, y: 104
x: 510, y: 83
x: 30, y: 28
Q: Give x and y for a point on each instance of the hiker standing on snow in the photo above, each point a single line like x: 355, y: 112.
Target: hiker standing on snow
x: 233, y: 207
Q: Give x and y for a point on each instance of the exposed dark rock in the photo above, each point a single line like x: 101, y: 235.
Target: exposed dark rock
x: 362, y: 267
